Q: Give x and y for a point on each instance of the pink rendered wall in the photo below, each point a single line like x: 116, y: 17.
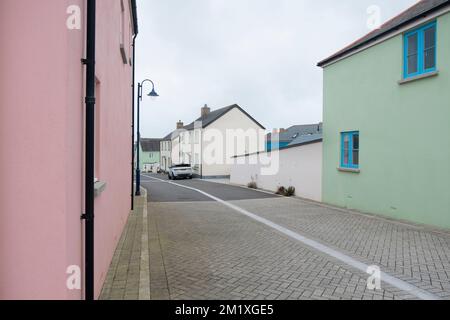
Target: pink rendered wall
x: 113, y: 206
x: 41, y: 145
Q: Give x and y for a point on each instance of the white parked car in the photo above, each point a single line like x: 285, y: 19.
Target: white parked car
x: 180, y: 171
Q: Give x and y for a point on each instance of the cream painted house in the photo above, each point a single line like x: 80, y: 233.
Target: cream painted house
x: 210, y: 143
x: 166, y: 153
x: 172, y: 147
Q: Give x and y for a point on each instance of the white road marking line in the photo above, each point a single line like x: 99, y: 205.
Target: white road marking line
x: 316, y: 203
x: 387, y: 278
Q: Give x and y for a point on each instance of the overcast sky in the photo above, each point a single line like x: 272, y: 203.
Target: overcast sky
x: 259, y: 54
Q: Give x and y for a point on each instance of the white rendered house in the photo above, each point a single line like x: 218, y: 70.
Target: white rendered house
x: 210, y: 143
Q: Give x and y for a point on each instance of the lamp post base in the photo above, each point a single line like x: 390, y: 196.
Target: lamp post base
x: 138, y: 183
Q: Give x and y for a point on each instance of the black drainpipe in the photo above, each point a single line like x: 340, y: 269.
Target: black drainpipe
x: 90, y: 150
x: 136, y: 31
x: 132, y: 123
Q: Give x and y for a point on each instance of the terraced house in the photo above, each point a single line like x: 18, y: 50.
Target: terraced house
x: 209, y: 143
x: 150, y: 155
x: 386, y: 119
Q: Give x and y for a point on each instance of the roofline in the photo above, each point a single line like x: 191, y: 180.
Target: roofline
x: 234, y: 106
x: 280, y: 149
x: 156, y: 141
x: 135, y: 17
x: 231, y: 107
x: 270, y: 134
x: 243, y: 111
x: 360, y: 46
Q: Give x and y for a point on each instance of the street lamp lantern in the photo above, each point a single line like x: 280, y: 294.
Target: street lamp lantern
x: 152, y: 95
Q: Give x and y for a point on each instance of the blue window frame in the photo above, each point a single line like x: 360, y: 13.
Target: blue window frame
x: 420, y: 51
x: 350, y: 150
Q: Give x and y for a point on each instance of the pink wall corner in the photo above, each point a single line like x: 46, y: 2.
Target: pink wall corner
x: 74, y: 162
x: 32, y: 139
x: 41, y: 146
x: 113, y: 206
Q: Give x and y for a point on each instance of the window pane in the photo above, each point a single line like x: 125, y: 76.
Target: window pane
x: 430, y: 37
x: 356, y: 141
x: 346, y: 157
x: 430, y: 58
x: 355, y: 157
x: 412, y: 44
x: 346, y: 145
x: 412, y: 64
x: 346, y: 141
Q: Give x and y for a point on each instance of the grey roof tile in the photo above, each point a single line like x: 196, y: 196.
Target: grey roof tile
x: 216, y: 114
x: 150, y: 145
x: 306, y: 139
x: 296, y: 131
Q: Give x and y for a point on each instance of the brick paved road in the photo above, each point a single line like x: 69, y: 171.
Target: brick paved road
x: 200, y: 249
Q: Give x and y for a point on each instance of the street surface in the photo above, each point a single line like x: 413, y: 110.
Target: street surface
x: 215, y: 241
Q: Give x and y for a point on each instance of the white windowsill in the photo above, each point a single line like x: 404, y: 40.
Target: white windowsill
x: 419, y: 77
x: 349, y: 170
x: 99, y: 188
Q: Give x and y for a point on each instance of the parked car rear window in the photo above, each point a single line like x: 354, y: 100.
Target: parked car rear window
x: 181, y: 166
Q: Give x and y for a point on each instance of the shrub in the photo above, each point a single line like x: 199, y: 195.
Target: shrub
x: 281, y: 191
x: 252, y: 185
x: 290, y: 192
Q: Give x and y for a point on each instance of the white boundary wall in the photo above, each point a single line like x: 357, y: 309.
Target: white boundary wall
x: 300, y: 167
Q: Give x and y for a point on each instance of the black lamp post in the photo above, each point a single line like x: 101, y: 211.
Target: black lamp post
x: 152, y: 94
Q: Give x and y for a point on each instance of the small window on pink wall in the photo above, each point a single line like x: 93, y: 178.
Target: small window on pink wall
x: 98, y: 127
x: 122, y: 33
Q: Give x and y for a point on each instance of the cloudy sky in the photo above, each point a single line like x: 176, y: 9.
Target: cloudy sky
x: 259, y: 54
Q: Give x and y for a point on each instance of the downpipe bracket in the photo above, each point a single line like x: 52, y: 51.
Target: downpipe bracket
x: 85, y: 61
x: 90, y: 100
x: 86, y: 217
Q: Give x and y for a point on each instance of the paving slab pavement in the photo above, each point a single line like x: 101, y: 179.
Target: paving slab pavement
x: 416, y: 255
x: 201, y: 249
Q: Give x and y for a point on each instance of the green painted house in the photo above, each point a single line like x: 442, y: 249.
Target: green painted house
x: 150, y: 155
x: 387, y: 119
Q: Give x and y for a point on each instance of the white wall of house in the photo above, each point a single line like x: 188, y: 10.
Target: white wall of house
x: 225, y: 149
x: 186, y: 145
x: 300, y: 167
x: 210, y: 150
x: 175, y: 152
x: 166, y: 155
x: 191, y: 148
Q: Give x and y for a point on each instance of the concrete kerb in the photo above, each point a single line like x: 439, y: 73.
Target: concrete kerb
x: 143, y: 192
x: 144, y: 268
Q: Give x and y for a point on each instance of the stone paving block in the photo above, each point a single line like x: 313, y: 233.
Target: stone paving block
x: 206, y: 251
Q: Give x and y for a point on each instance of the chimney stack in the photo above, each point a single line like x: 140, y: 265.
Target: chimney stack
x: 180, y: 125
x: 205, y: 111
